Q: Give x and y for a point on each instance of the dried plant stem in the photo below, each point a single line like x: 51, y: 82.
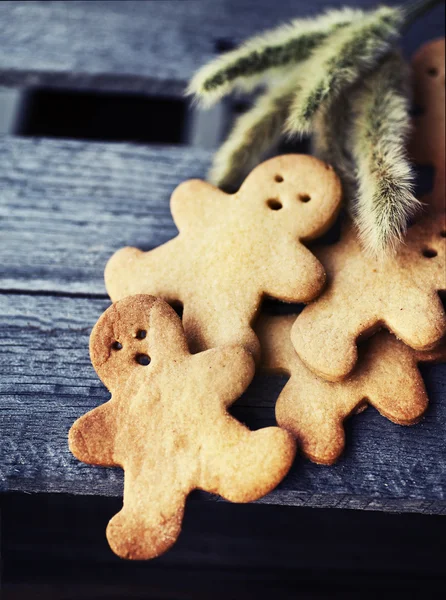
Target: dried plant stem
x: 267, y: 54
x: 380, y: 128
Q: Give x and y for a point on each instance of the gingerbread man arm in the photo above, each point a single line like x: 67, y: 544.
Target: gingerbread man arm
x: 227, y: 371
x: 91, y: 437
x: 389, y: 377
x: 131, y: 271
x: 296, y: 275
x: 325, y: 343
x: 196, y: 204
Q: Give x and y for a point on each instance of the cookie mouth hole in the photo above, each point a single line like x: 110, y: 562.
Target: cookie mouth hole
x: 141, y: 334
x: 429, y: 253
x: 432, y: 71
x: 116, y: 346
x: 278, y: 178
x: 304, y: 197
x: 142, y: 359
x: 274, y: 204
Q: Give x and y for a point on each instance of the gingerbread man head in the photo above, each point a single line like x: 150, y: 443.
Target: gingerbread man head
x: 132, y: 334
x: 298, y: 195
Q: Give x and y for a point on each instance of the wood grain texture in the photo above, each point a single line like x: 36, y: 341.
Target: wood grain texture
x: 149, y: 47
x: 67, y: 206
x: 47, y: 381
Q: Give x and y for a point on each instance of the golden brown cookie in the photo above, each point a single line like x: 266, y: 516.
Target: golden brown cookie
x: 167, y: 426
x: 234, y: 249
x: 428, y: 145
x: 399, y: 292
x: 313, y: 410
x: 363, y: 294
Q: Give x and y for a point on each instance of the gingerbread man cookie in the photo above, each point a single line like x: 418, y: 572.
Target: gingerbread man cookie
x: 400, y: 292
x: 363, y: 294
x: 313, y: 410
x: 427, y: 144
x: 234, y: 249
x: 167, y: 426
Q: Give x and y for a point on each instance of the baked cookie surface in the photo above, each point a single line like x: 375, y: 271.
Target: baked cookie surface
x: 364, y: 294
x: 167, y: 426
x: 234, y: 249
x: 314, y: 410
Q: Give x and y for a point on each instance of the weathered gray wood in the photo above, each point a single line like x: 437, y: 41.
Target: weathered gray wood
x: 46, y: 382
x: 151, y: 47
x: 66, y: 206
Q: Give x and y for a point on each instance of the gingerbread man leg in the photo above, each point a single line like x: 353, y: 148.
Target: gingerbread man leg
x: 249, y: 459
x: 328, y: 346
x: 91, y: 438
x: 317, y: 424
x: 400, y: 395
x: 150, y: 520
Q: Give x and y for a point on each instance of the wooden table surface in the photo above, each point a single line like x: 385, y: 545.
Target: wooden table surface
x: 67, y: 205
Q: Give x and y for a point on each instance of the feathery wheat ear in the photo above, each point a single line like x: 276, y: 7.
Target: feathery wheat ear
x: 331, y: 123
x: 253, y: 134
x: 380, y: 127
x: 266, y: 54
x: 341, y: 61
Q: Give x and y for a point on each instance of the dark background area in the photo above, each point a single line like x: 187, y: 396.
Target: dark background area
x: 54, y: 547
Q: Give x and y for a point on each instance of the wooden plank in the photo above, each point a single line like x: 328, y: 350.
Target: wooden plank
x: 66, y: 206
x: 46, y: 382
x: 149, y: 47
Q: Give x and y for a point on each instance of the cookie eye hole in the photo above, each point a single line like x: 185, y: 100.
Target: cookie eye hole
x: 142, y: 359
x: 141, y: 334
x: 304, y: 197
x: 432, y: 71
x: 278, y: 178
x: 429, y: 253
x: 116, y: 346
x: 443, y: 233
x: 274, y: 204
